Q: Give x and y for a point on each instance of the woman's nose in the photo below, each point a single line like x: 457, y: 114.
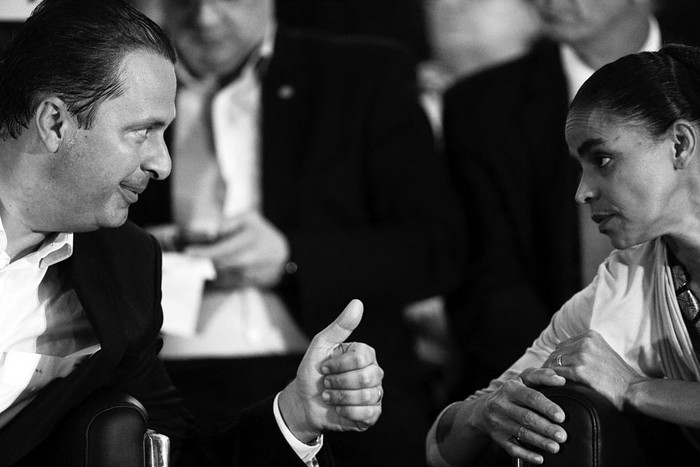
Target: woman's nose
x: 585, y: 192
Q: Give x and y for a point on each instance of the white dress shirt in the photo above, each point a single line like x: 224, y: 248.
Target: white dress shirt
x: 44, y: 333
x: 216, y: 176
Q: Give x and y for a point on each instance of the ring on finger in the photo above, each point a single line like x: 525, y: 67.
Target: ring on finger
x: 559, y: 363
x: 521, y: 432
x: 381, y: 394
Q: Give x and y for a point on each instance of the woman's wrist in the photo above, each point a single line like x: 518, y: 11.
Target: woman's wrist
x: 633, y: 397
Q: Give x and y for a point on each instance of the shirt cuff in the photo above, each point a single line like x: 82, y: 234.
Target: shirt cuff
x: 306, y: 452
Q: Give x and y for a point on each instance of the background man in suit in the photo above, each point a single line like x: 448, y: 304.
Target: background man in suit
x: 86, y: 92
x: 307, y: 163
x: 532, y: 247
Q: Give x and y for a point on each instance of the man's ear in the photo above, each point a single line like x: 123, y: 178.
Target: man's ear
x: 53, y: 121
x: 685, y: 142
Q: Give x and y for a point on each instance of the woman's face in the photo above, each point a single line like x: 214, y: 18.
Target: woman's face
x: 628, y: 177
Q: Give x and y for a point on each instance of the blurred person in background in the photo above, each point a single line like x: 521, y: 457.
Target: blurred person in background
x: 468, y: 36
x: 303, y: 168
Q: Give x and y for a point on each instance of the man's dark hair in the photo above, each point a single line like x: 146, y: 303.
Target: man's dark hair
x: 72, y: 49
x: 653, y: 89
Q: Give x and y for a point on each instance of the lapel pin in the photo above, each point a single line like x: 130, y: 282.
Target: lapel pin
x: 285, y: 92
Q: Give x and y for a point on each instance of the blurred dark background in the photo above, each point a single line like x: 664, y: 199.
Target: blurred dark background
x: 405, y: 20
x: 402, y: 20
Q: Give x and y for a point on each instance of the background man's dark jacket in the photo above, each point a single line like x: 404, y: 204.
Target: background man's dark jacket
x: 350, y: 176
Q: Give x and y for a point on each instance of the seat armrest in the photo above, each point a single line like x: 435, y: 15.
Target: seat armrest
x: 598, y: 434
x: 105, y: 430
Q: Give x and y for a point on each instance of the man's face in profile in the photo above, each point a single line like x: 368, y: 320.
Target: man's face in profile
x: 214, y: 37
x: 97, y: 173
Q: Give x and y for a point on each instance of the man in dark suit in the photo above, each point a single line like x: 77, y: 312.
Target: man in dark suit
x: 531, y: 246
x: 86, y: 92
x: 349, y: 200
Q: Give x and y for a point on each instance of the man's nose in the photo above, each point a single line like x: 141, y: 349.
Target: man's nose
x: 158, y: 163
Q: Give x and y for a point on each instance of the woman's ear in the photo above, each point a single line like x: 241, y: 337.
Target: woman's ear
x: 52, y: 121
x: 685, y: 143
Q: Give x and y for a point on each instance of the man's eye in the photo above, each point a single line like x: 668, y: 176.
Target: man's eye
x: 142, y: 133
x: 603, y: 161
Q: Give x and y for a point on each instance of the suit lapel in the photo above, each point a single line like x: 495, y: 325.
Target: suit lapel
x: 285, y: 119
x: 90, y: 279
x: 553, y: 174
x: 540, y: 116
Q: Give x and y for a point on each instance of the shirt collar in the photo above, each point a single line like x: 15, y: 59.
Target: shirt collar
x: 577, y: 72
x: 57, y: 247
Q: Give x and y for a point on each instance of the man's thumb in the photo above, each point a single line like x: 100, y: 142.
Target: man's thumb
x: 344, y: 324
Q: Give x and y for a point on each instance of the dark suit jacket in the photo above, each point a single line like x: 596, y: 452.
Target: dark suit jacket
x: 116, y: 275
x: 504, y: 138
x: 504, y: 134
x: 350, y: 176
